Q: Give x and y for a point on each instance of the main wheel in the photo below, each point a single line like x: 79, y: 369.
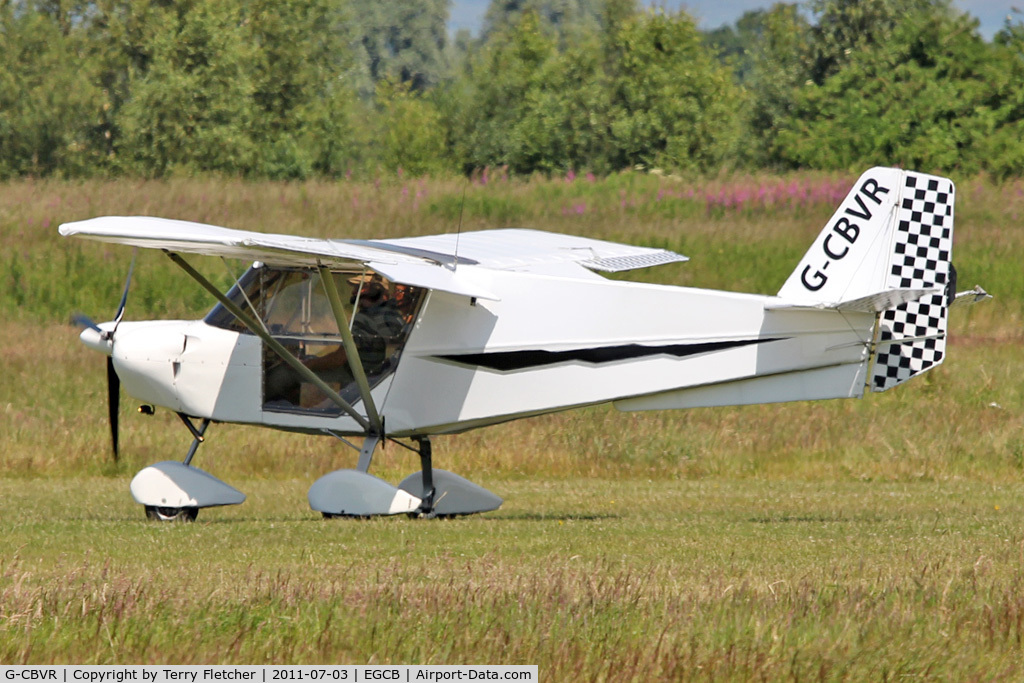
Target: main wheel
x: 162, y: 514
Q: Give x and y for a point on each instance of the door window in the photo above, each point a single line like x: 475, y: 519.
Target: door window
x: 293, y: 306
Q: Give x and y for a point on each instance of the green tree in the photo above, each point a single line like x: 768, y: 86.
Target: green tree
x: 503, y: 77
x: 734, y: 45
x: 50, y: 108
x: 919, y: 100
x: 1000, y: 128
x: 672, y: 104
x: 121, y: 35
x: 303, y: 104
x: 846, y: 27
x: 192, y: 108
x: 402, y: 40
x: 561, y: 122
x: 646, y: 92
x: 256, y: 88
x: 535, y: 108
x: 778, y: 56
x: 409, y: 134
x: 570, y: 20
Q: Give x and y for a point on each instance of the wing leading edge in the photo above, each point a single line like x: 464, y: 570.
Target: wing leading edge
x: 210, y: 240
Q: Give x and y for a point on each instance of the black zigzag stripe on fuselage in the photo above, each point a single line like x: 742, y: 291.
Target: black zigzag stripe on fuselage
x: 505, y: 361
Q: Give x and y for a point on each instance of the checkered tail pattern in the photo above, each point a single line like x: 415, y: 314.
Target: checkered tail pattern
x: 921, y: 258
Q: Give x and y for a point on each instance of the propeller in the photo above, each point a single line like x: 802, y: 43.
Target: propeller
x: 113, y: 381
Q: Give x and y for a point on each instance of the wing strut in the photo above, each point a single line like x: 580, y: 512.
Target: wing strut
x: 304, y: 372
x: 355, y: 363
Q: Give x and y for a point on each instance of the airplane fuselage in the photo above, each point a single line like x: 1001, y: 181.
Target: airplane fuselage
x: 551, y: 343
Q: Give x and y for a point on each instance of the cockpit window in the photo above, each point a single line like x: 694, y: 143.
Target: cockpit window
x: 297, y: 304
x: 249, y: 283
x: 294, y: 307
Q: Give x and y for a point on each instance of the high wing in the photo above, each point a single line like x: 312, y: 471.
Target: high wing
x: 529, y: 250
x: 411, y: 261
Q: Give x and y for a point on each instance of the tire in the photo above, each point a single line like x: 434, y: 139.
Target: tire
x: 342, y: 515
x: 165, y: 514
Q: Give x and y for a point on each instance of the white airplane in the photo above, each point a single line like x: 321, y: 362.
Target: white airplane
x: 404, y: 339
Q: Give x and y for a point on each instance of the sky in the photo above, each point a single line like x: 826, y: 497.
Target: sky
x: 713, y: 13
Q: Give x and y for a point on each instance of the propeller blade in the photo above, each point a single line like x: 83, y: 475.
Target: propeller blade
x: 83, y: 320
x: 113, y: 401
x: 124, y: 294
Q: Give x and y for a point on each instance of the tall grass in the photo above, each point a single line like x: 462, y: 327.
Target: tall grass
x: 744, y: 233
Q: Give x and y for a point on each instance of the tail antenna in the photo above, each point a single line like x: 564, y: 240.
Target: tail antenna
x: 458, y: 231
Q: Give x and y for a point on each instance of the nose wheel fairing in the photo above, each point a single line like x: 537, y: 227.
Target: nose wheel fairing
x: 174, y: 491
x: 175, y: 485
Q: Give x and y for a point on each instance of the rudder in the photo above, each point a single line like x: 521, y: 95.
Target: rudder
x: 921, y: 258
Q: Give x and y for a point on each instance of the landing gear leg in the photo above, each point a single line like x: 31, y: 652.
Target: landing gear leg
x: 197, y: 436
x: 426, y: 464
x: 366, y: 452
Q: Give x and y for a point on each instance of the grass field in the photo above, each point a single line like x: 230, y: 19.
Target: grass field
x: 858, y: 540
x: 593, y: 579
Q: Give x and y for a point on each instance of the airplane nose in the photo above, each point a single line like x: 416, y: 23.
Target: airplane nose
x: 96, y: 341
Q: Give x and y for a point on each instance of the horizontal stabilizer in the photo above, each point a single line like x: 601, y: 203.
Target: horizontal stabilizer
x: 618, y: 264
x: 872, y: 303
x: 971, y: 296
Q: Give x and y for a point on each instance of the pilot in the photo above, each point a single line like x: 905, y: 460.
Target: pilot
x: 402, y: 298
x: 377, y: 323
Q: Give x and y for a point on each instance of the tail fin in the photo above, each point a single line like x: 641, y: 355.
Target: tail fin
x: 894, y: 231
